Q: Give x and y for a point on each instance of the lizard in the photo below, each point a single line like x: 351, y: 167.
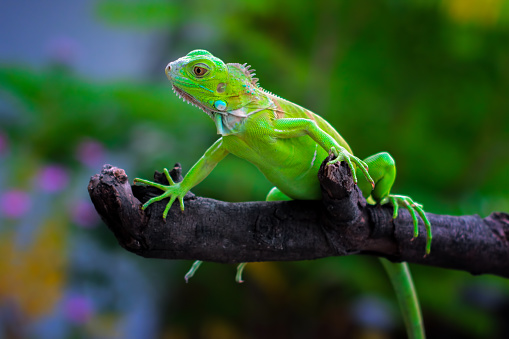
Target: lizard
x: 287, y: 143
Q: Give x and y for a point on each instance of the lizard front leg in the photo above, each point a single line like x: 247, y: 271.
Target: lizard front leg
x: 196, y: 174
x: 296, y: 127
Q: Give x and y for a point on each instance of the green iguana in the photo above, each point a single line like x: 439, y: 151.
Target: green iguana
x: 287, y: 143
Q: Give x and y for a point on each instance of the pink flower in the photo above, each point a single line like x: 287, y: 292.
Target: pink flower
x: 15, y: 203
x: 84, y: 214
x: 90, y: 153
x: 53, y: 178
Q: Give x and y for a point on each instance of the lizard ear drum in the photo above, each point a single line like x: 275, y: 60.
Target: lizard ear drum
x: 221, y: 87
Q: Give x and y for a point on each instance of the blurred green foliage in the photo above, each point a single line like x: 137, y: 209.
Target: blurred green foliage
x: 427, y: 81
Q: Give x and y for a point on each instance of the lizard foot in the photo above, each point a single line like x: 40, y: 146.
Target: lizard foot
x: 173, y: 191
x: 197, y: 264
x: 343, y: 154
x: 414, y: 208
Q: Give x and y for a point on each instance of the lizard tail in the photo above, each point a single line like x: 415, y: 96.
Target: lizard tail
x: 401, y: 280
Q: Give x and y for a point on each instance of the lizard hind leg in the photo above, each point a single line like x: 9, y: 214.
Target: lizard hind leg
x: 274, y: 195
x: 382, y: 169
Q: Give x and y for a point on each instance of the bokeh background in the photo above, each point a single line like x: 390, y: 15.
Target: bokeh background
x: 82, y: 84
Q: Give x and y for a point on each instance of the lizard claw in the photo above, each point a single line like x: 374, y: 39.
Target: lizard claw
x: 192, y: 270
x: 240, y: 269
x: 343, y: 154
x: 415, y: 209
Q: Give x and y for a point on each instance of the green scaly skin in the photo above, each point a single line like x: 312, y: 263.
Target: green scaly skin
x: 287, y: 143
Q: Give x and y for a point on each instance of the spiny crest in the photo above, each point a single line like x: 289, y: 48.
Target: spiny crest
x: 270, y: 93
x: 247, y: 71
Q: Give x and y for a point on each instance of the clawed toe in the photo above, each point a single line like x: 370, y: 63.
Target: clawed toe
x: 414, y: 209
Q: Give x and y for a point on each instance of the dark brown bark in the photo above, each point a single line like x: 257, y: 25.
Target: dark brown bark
x: 340, y: 224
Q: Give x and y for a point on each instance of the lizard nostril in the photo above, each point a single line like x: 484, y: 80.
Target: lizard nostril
x: 168, y: 68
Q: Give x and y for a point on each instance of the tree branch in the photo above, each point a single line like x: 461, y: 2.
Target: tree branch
x: 340, y: 224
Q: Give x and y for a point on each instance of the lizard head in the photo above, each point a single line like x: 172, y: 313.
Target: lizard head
x: 207, y: 82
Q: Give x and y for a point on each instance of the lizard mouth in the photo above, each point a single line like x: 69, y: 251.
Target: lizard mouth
x: 190, y: 100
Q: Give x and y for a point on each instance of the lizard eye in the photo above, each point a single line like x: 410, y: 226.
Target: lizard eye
x: 200, y: 71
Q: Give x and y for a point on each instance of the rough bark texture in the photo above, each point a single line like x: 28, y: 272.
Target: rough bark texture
x: 341, y: 224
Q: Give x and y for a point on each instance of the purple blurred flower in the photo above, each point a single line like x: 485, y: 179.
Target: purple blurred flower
x: 53, y: 178
x: 84, y: 214
x: 90, y: 153
x: 63, y: 50
x: 15, y: 203
x: 78, y: 309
